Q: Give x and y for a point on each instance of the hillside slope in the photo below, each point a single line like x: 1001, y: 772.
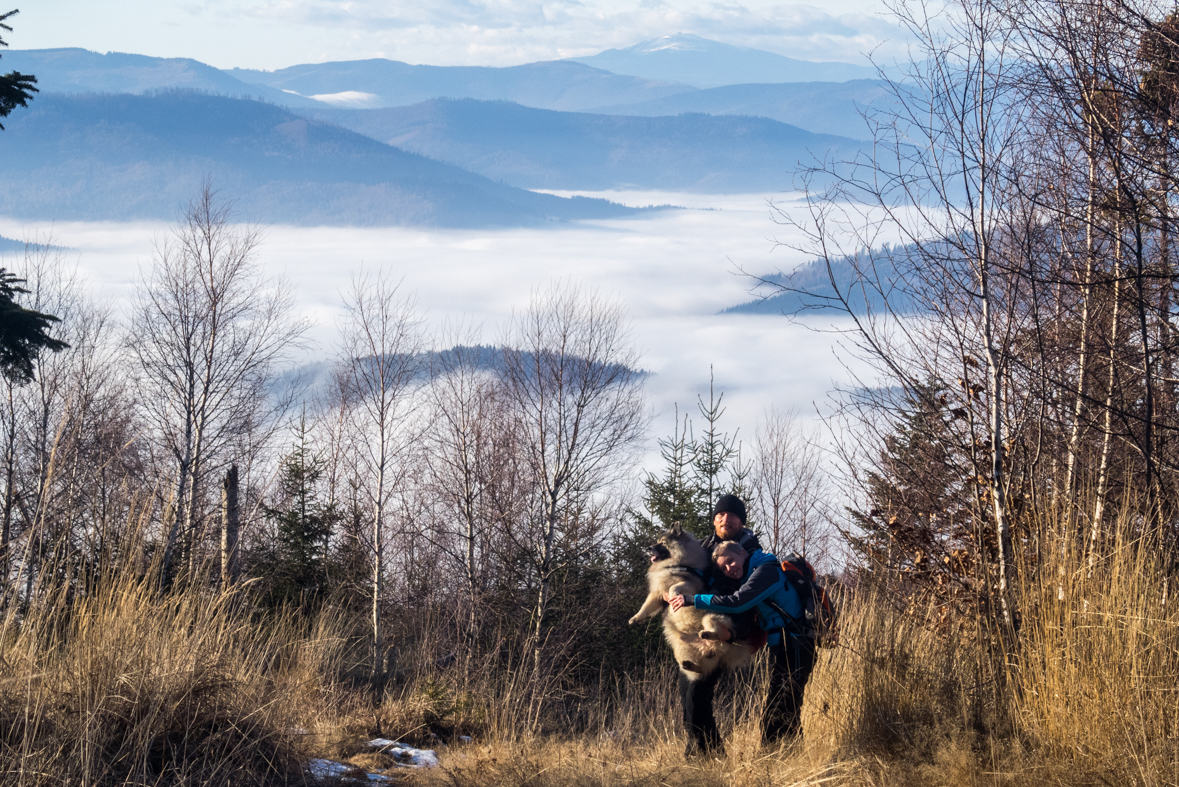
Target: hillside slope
x: 83, y: 71
x: 378, y: 83
x: 130, y: 157
x: 534, y: 148
x: 820, y: 107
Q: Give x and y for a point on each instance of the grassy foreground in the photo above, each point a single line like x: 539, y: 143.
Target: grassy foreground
x: 122, y: 687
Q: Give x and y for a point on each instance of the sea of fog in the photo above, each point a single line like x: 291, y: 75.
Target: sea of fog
x: 673, y: 270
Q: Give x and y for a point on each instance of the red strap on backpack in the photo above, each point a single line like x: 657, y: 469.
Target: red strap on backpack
x: 757, y: 640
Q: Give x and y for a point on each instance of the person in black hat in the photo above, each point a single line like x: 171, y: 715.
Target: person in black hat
x: 728, y: 523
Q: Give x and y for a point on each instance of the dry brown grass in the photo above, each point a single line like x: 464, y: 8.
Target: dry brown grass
x: 895, y: 686
x: 1087, y: 698
x: 587, y: 762
x: 1096, y: 677
x: 125, y: 687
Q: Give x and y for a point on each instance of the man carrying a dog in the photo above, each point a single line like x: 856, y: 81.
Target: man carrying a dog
x: 728, y: 523
x: 764, y: 595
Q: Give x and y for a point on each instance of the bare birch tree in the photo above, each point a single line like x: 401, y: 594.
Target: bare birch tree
x: 207, y: 333
x: 380, y: 342
x: 464, y: 459
x: 953, y: 295
x: 790, y: 497
x: 571, y: 375
x: 65, y: 433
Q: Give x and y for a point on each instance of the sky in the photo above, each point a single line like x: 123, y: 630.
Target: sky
x: 270, y: 34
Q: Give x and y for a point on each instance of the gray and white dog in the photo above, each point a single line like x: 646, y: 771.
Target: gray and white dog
x: 678, y: 563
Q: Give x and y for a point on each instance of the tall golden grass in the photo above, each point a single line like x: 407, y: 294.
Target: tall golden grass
x: 1097, y: 678
x: 1086, y: 695
x: 125, y: 687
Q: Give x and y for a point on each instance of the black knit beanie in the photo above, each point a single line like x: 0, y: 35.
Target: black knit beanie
x: 730, y: 504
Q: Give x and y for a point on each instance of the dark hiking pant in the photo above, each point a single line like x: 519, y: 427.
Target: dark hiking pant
x: 696, y: 695
x: 791, y: 664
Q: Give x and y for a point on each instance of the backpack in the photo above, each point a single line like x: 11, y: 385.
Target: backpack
x: 819, y: 619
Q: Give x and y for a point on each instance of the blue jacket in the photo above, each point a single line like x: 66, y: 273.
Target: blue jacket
x: 763, y: 589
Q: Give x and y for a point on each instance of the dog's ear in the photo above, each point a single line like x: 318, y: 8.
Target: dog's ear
x: 677, y: 530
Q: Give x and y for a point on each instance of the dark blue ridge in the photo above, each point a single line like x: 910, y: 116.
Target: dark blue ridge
x: 809, y: 289
x: 544, y: 149
x: 8, y: 245
x: 126, y: 157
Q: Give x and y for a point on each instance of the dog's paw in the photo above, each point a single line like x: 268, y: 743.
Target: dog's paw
x: 709, y: 635
x: 633, y: 621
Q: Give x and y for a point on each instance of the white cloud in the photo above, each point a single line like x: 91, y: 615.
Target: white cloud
x: 277, y: 33
x: 507, y: 32
x: 672, y: 271
x: 349, y: 99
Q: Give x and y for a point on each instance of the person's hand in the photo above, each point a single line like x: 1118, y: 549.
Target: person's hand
x: 677, y: 602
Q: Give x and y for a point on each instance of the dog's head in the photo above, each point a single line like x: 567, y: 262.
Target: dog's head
x: 658, y: 551
x: 673, y: 544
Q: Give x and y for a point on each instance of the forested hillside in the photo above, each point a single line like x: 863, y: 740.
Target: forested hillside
x: 542, y: 149
x: 119, y: 157
x: 560, y: 85
x: 840, y: 108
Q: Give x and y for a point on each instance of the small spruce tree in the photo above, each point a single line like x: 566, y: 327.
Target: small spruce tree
x: 919, y: 526
x: 695, y: 473
x: 714, y: 452
x: 676, y: 497
x: 295, y: 566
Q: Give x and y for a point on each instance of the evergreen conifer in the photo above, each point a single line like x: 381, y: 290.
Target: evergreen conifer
x: 295, y: 565
x: 24, y: 333
x: 16, y: 89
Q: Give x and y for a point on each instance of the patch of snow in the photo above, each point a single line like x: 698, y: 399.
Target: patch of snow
x: 465, y: 738
x: 681, y: 42
x: 406, y: 756
x: 330, y: 769
x: 327, y: 769
x: 424, y: 758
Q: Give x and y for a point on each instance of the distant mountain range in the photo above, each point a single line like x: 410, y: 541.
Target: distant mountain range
x: 122, y: 136
x: 543, y: 149
x: 561, y: 85
x: 820, y: 97
x: 83, y: 71
x: 820, y: 107
x: 699, y: 62
x: 121, y: 157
